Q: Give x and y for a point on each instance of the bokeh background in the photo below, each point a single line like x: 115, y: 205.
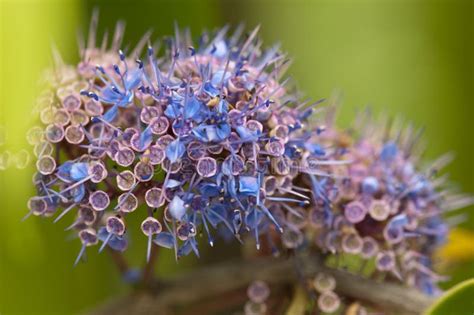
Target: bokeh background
x: 413, y: 59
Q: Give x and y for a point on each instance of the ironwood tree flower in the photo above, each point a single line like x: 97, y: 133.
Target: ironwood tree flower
x: 205, y: 140
x: 196, y: 138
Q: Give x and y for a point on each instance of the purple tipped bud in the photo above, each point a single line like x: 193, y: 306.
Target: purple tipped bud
x: 185, y: 231
x: 79, y: 117
x: 355, y: 211
x: 156, y: 154
x: 87, y: 215
x: 258, y: 292
x: 385, y: 261
x: 99, y: 200
x: 125, y: 180
x: 61, y: 117
x: 324, y: 282
x: 292, y: 238
x: 270, y: 184
x: 88, y: 237
x: 143, y: 171
x: 125, y: 156
x: 74, y: 134
x: 254, y: 126
x: 151, y: 226
x: 128, y: 134
x: 54, y: 133
x: 281, y: 132
x: 281, y: 165
x: 393, y: 234
x: 275, y: 148
x: 71, y: 102
x: 149, y: 114
x: 352, y: 243
x: 379, y: 210
x: 206, y: 167
x: 46, y: 165
x: 328, y: 302
x: 196, y: 150
x: 370, y: 247
x: 37, y: 206
x: 153, y: 198
x: 93, y: 108
x: 127, y: 202
x: 97, y: 171
x: 159, y: 125
x: 115, y: 225
x: 233, y: 164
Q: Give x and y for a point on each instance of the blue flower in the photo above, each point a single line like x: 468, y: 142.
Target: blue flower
x: 194, y: 110
x: 219, y: 49
x: 315, y: 148
x: 370, y: 185
x: 64, y: 171
x: 219, y: 76
x: 78, y: 193
x: 177, y: 208
x: 399, y: 220
x: 248, y: 185
x: 146, y: 137
x: 111, y: 94
x: 212, y: 133
x: 175, y: 150
x: 389, y: 151
x: 79, y: 171
x: 209, y: 190
x: 210, y: 89
x: 248, y: 135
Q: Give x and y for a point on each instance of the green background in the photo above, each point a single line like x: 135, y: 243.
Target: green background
x: 408, y: 58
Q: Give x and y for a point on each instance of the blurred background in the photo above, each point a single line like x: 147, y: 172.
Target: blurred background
x: 413, y: 59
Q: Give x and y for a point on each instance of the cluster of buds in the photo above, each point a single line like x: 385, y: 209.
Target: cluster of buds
x: 197, y: 139
x: 382, y: 206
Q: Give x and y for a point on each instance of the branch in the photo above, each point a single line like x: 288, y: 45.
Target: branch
x: 212, y: 281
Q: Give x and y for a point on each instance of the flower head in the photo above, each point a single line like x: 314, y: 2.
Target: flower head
x: 204, y: 137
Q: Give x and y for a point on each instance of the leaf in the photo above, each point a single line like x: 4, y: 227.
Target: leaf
x: 457, y: 301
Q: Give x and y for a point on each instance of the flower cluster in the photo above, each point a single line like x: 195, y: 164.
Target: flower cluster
x: 208, y: 135
x: 382, y: 206
x: 208, y: 140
